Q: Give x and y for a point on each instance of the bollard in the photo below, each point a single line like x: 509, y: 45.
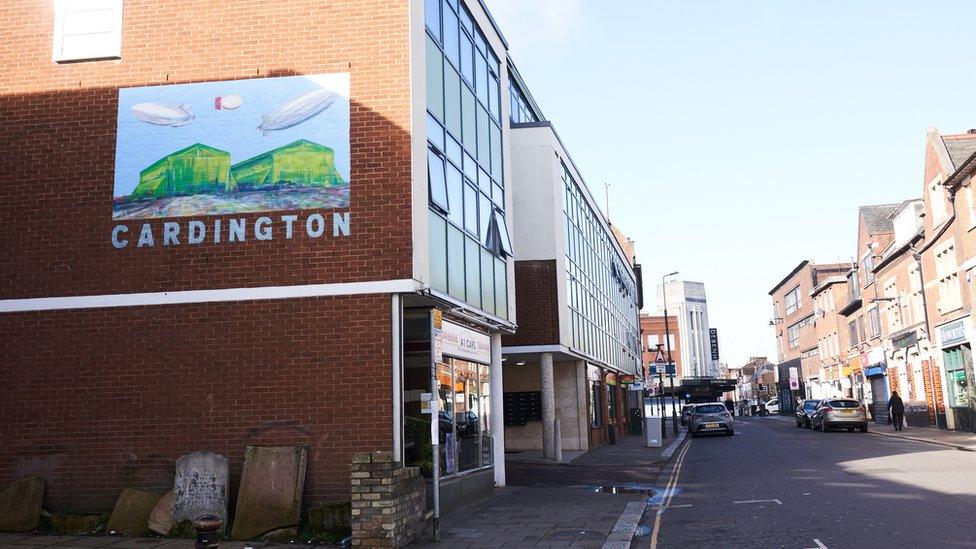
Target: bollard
x: 557, y: 442
x: 207, y: 527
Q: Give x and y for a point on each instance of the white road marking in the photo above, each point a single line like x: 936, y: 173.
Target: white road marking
x: 669, y: 493
x: 819, y: 543
x: 776, y: 501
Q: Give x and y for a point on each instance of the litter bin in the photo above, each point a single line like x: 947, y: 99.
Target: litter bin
x: 652, y: 426
x: 635, y: 421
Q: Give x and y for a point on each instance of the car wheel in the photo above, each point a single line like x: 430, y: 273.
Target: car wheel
x: 864, y: 429
x: 850, y: 429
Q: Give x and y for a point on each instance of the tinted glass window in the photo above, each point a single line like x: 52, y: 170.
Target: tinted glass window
x: 810, y: 405
x: 711, y: 409
x: 844, y: 404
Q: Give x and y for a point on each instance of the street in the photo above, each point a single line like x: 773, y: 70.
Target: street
x: 774, y: 485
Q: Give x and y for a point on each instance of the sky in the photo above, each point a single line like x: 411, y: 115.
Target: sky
x: 739, y: 137
x: 141, y: 144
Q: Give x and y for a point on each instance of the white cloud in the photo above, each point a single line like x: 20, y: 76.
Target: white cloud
x: 537, y: 23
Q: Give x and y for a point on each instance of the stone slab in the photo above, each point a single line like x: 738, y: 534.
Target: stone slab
x: 270, y: 496
x: 131, y: 514
x: 161, y: 517
x: 20, y: 505
x: 201, y: 486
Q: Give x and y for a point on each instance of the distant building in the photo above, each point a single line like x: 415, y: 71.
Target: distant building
x: 686, y: 301
x: 653, y: 333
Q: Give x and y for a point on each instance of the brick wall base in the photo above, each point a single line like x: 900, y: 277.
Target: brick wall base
x: 388, y: 501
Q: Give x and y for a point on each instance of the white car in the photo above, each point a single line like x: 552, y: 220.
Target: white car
x: 772, y: 406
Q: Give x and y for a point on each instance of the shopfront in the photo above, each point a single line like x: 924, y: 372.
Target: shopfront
x: 875, y: 372
x: 957, y: 357
x: 457, y: 361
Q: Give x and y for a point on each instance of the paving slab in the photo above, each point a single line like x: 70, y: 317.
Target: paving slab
x: 46, y: 541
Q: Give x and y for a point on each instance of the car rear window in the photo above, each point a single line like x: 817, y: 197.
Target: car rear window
x: 810, y: 405
x: 844, y: 404
x: 711, y: 409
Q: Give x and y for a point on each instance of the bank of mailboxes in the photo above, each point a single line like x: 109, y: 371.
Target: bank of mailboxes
x: 522, y: 407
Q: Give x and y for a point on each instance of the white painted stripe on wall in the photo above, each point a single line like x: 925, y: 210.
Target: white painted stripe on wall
x: 209, y: 296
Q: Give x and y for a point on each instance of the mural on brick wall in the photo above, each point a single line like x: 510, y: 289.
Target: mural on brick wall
x: 235, y: 146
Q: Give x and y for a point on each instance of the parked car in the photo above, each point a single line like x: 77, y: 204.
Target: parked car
x: 712, y: 417
x: 840, y: 413
x: 686, y: 413
x: 772, y: 406
x: 804, y: 413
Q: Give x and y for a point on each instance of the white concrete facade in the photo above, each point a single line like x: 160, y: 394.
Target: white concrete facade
x: 687, y: 302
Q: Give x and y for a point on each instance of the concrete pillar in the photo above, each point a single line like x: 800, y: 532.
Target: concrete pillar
x: 548, y: 405
x: 582, y: 390
x: 497, y: 410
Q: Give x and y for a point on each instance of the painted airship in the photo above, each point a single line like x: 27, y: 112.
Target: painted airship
x: 228, y: 102
x: 163, y: 115
x: 297, y: 110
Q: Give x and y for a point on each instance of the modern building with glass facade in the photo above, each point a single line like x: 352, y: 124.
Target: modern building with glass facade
x: 576, y: 356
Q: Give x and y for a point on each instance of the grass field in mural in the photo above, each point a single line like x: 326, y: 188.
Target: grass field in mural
x: 231, y: 147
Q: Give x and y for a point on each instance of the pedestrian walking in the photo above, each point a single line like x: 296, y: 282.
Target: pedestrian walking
x: 897, y: 410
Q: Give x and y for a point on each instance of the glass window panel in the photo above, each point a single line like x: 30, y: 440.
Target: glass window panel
x: 435, y: 180
x: 471, y: 209
x: 432, y: 16
x: 435, y: 79
x: 468, y: 127
x: 481, y: 78
x: 484, y: 152
x: 445, y: 420
x: 453, y: 4
x: 479, y: 41
x: 493, y: 65
x: 454, y: 151
x: 484, y: 390
x: 438, y: 252
x: 493, y: 98
x: 484, y: 181
x: 467, y: 410
x: 455, y: 196
x: 484, y: 215
x: 466, y: 20
x: 455, y: 262
x: 451, y: 35
x: 496, y: 152
x: 467, y: 59
x: 487, y: 281
x: 498, y: 195
x: 435, y: 132
x: 470, y: 168
x: 472, y: 271
x: 452, y: 100
x: 501, y: 291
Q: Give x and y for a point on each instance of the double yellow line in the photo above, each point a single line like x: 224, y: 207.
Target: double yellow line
x: 668, y: 493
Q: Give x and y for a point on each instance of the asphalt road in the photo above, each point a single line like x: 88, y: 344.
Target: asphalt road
x: 774, y: 485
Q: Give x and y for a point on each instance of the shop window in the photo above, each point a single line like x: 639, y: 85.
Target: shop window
x: 596, y: 404
x: 612, y: 390
x: 436, y: 181
x: 487, y: 444
x: 445, y: 420
x: 87, y: 30
x: 467, y: 414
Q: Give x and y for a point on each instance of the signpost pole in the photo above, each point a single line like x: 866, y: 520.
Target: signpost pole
x: 435, y: 331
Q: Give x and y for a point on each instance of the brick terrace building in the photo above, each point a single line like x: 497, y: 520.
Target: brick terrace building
x: 653, y: 333
x: 129, y: 342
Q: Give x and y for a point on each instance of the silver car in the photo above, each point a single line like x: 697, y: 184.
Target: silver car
x: 840, y: 413
x: 713, y: 417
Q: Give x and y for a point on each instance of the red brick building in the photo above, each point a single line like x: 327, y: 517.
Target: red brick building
x: 194, y: 305
x: 653, y: 333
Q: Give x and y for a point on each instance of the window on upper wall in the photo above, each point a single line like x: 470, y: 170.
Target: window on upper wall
x: 868, y: 263
x: 852, y: 332
x: 435, y: 179
x: 793, y: 334
x: 793, y: 300
x: 87, y: 30
x: 937, y: 202
x: 875, y: 317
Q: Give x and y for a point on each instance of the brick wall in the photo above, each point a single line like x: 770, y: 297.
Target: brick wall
x: 58, y: 124
x: 535, y: 293
x: 99, y: 400
x: 388, y: 501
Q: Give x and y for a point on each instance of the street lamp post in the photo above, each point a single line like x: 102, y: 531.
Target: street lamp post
x: 667, y: 342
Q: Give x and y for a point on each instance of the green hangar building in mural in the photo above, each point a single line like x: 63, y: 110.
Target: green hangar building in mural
x: 298, y: 164
x: 197, y: 169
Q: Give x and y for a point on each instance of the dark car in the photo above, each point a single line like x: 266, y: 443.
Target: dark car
x: 804, y: 413
x: 686, y: 413
x: 840, y: 413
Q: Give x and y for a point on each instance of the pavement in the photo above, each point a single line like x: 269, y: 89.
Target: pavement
x: 30, y: 541
x: 595, y: 500
x: 776, y: 485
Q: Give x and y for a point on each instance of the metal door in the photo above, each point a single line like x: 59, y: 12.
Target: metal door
x: 879, y: 407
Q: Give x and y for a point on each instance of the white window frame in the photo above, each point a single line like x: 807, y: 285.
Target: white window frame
x: 62, y: 9
x: 937, y: 201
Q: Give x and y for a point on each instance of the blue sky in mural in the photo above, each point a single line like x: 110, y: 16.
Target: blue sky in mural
x: 140, y: 144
